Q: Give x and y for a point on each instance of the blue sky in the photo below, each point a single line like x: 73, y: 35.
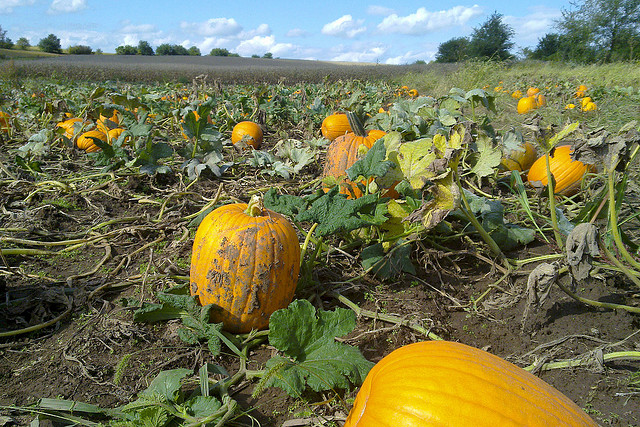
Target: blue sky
x: 365, y: 31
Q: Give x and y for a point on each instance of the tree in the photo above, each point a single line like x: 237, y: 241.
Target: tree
x: 219, y: 51
x: 5, y: 42
x: 23, y: 43
x: 268, y: 55
x: 144, y: 48
x: 453, y: 50
x: 194, y: 51
x: 171, y: 49
x: 80, y: 50
x: 50, y: 44
x: 548, y: 48
x: 492, y: 40
x: 602, y: 30
x: 126, y: 50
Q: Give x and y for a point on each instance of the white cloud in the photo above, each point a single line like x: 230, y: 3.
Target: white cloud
x: 423, y: 21
x: 6, y: 6
x: 344, y: 26
x: 213, y: 27
x: 379, y: 10
x: 258, y: 45
x: 261, y: 30
x: 128, y: 27
x: 358, y: 53
x: 66, y: 6
x: 533, y: 26
x: 297, y: 32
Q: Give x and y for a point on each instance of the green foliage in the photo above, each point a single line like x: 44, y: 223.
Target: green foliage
x: 80, y: 50
x: 492, y: 40
x: 5, y: 42
x: 144, y: 48
x: 126, y: 50
x: 171, y: 49
x: 453, y: 50
x: 311, y: 356
x: 50, y: 44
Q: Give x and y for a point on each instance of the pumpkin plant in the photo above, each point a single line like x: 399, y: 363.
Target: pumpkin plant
x: 245, y: 262
x: 437, y: 383
x: 343, y: 152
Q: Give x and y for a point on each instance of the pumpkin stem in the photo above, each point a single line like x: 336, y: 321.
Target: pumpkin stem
x: 356, y: 124
x: 255, y: 206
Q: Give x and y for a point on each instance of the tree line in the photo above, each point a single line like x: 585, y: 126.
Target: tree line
x: 594, y: 31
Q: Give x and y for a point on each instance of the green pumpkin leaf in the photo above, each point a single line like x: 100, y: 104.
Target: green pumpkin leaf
x: 311, y: 356
x: 335, y: 213
x: 167, y: 384
x: 390, y: 264
x: 488, y: 159
x: 373, y: 164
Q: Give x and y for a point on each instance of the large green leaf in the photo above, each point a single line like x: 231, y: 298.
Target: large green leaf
x: 311, y: 356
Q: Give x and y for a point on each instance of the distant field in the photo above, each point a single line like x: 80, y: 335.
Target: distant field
x: 227, y: 69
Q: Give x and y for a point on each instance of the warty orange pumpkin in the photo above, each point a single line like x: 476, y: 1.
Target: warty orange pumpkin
x: 567, y: 172
x: 245, y: 262
x: 343, y: 152
x: 248, y: 131
x: 335, y: 125
x: 443, y: 383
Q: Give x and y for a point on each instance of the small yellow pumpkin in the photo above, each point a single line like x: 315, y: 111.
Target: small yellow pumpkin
x: 249, y: 132
x: 567, y: 172
x: 443, y: 383
x: 526, y: 104
x: 541, y: 100
x: 532, y: 91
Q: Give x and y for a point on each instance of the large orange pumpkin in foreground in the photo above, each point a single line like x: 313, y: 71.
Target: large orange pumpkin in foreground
x: 335, y: 125
x: 441, y: 383
x: 245, y: 262
x: 248, y: 131
x: 343, y: 152
x: 567, y: 172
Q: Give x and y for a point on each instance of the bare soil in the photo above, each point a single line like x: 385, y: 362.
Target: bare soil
x: 98, y: 354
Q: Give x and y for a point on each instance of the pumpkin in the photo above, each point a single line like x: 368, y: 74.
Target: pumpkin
x: 532, y: 91
x: 245, y: 262
x: 105, y: 124
x: 526, y: 104
x: 580, y: 91
x: 584, y: 101
x: 343, y: 152
x: 567, y: 172
x: 335, y: 125
x: 589, y: 106
x: 114, y: 134
x: 442, y: 383
x: 4, y: 122
x: 249, y: 132
x: 85, y: 142
x: 69, y: 126
x: 519, y: 160
x: 517, y: 94
x: 413, y: 93
x: 541, y: 100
